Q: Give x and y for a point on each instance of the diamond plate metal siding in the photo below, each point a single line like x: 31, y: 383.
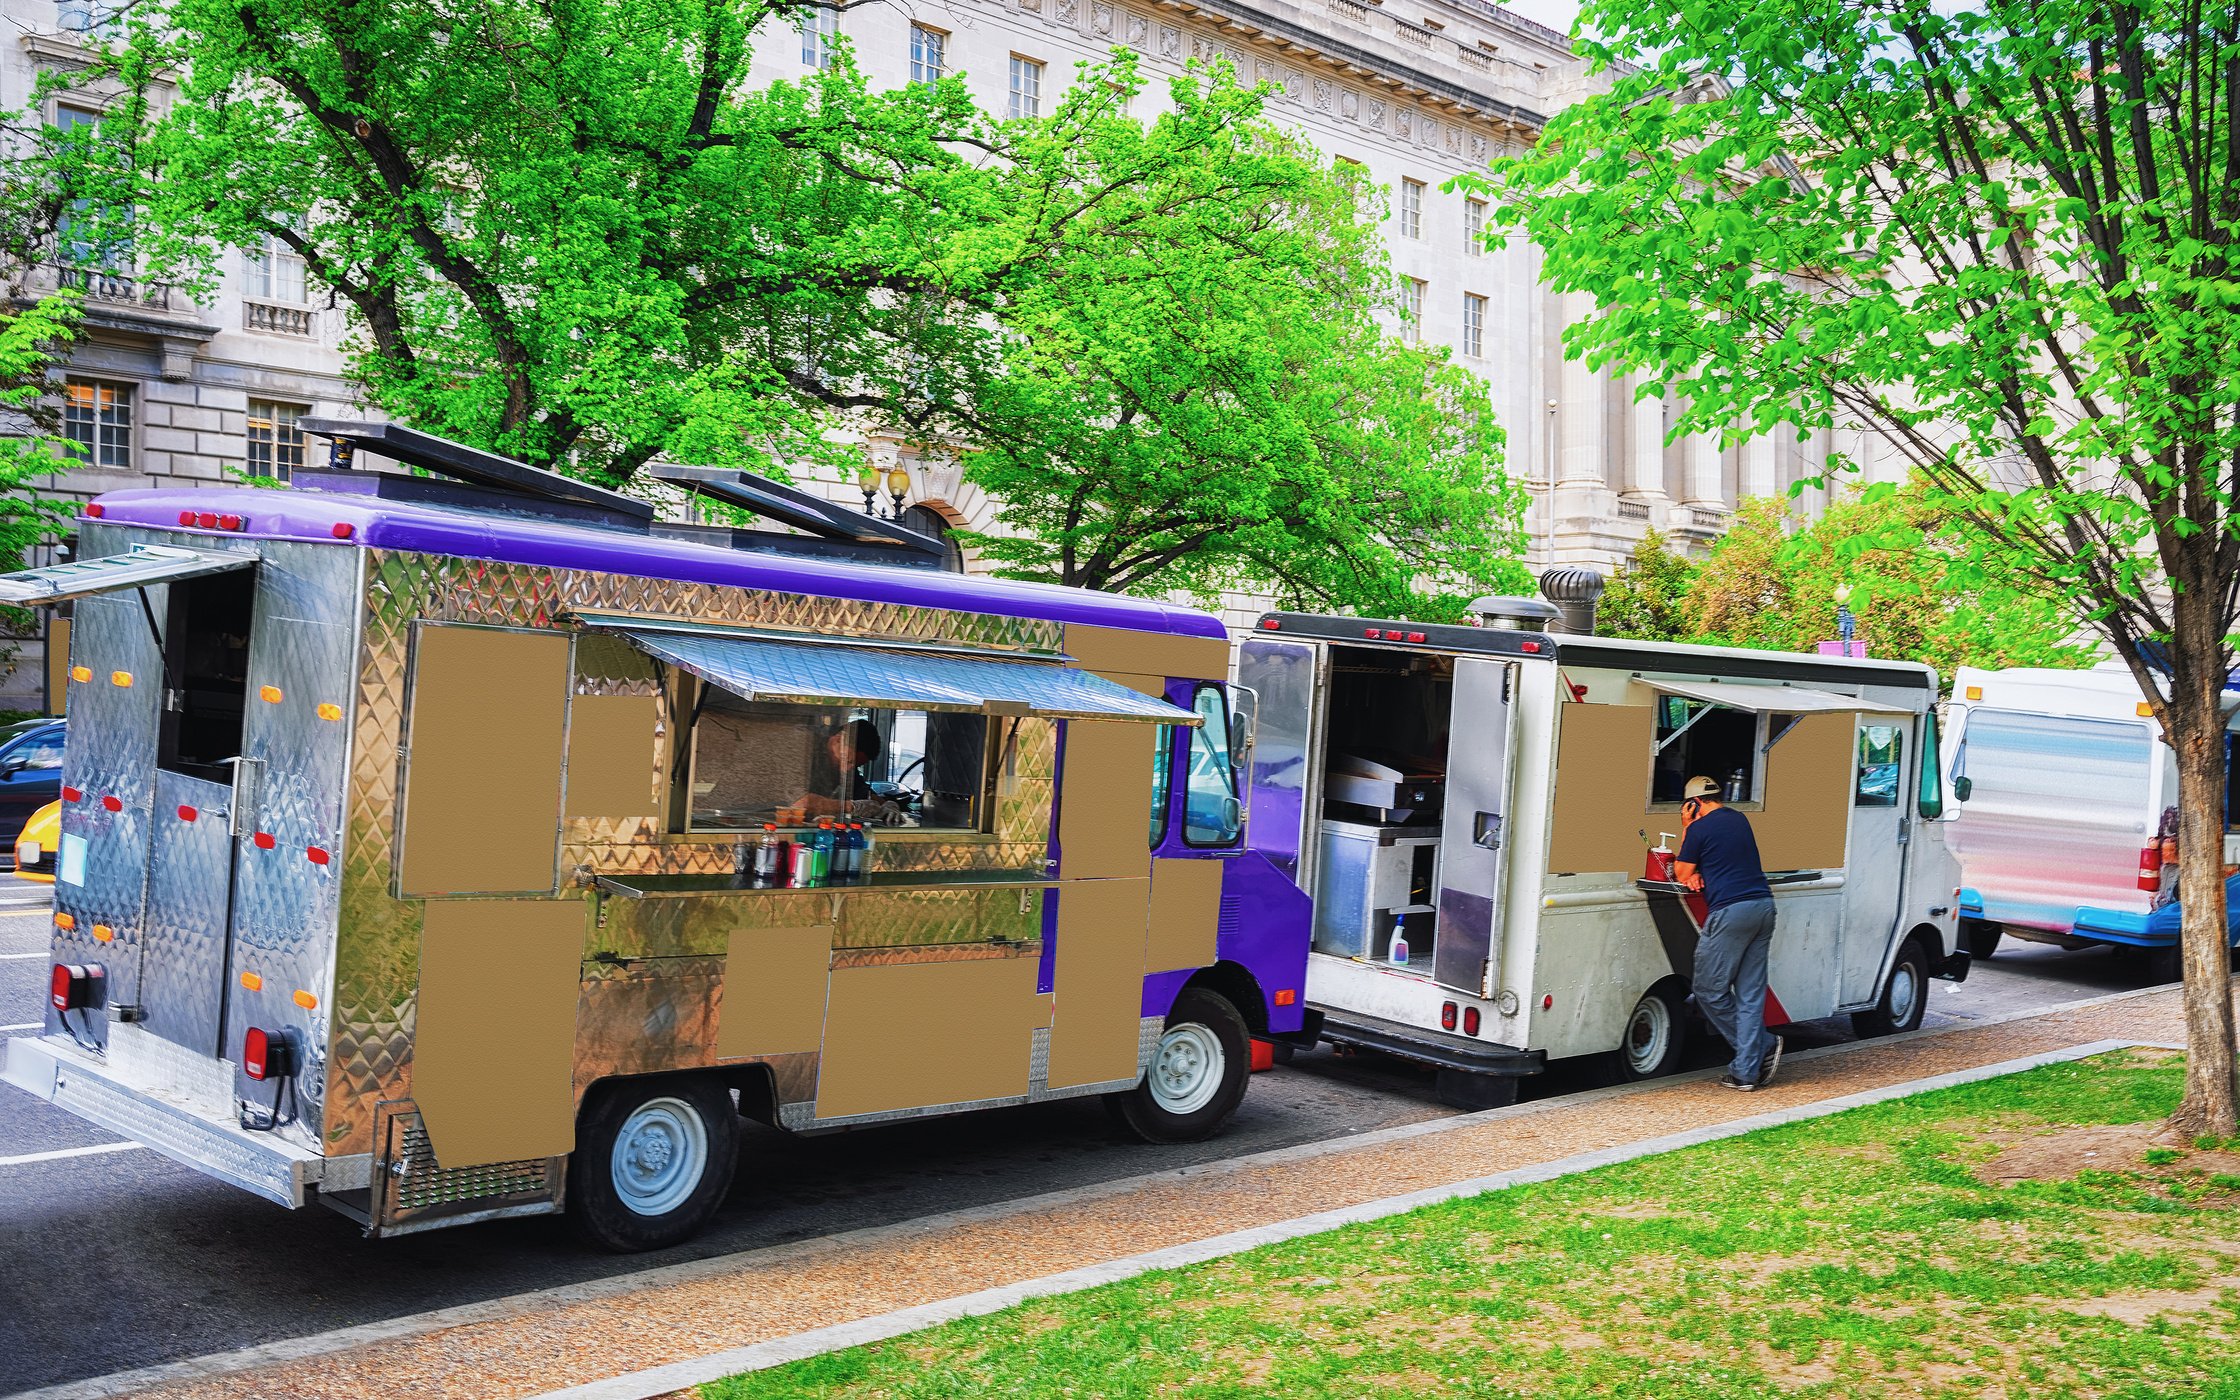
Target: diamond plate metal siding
x: 183, y: 952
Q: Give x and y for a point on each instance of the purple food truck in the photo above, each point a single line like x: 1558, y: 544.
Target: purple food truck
x: 447, y: 847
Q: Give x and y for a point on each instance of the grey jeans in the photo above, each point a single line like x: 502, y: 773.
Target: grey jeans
x: 1730, y: 981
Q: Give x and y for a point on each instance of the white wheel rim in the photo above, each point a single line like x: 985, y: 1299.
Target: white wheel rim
x: 1186, y: 1069
x: 659, y: 1156
x: 1649, y: 1035
x: 1904, y: 990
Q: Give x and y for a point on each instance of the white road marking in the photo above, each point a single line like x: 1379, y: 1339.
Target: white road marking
x: 25, y: 1026
x: 12, y: 957
x: 60, y: 1153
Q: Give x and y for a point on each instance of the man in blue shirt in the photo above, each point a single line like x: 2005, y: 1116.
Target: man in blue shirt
x: 1719, y: 856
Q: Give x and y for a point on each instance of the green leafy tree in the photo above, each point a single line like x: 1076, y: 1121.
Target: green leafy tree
x: 1916, y: 592
x: 2001, y: 237
x: 576, y: 235
x: 1647, y: 597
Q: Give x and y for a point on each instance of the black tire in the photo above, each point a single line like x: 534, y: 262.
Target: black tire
x: 1980, y: 937
x: 1656, y: 1036
x: 1905, y: 995
x: 668, y: 1117
x: 2160, y: 965
x: 1196, y: 1094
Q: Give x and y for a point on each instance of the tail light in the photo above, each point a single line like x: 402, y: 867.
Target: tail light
x: 1469, y: 1020
x: 1446, y: 1015
x: 77, y: 986
x: 267, y: 1054
x: 206, y: 519
x: 95, y: 510
x: 2150, y: 866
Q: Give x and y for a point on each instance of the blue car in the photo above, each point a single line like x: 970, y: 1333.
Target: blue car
x: 30, y: 773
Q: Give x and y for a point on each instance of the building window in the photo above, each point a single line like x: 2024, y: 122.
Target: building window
x: 818, y: 29
x: 83, y: 241
x: 757, y: 762
x: 1411, y: 208
x: 275, y: 438
x: 929, y: 50
x: 1411, y: 310
x: 1473, y: 227
x: 98, y: 417
x: 271, y: 271
x: 1026, y: 87
x: 1473, y: 324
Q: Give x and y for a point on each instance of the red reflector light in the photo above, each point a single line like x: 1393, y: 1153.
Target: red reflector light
x: 207, y: 520
x: 267, y: 1054
x: 112, y: 804
x: 317, y: 855
x: 1547, y: 1001
x: 1269, y: 624
x: 229, y: 522
x: 71, y: 794
x: 1446, y: 1015
x: 75, y: 986
x: 186, y: 517
x: 1374, y: 634
x: 343, y: 529
x: 186, y: 813
x: 264, y: 840
x: 1415, y: 636
x: 1469, y: 1020
x: 96, y: 509
x: 1528, y: 646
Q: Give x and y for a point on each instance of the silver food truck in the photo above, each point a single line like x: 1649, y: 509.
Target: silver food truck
x: 2060, y: 780
x: 440, y: 851
x: 1484, y: 817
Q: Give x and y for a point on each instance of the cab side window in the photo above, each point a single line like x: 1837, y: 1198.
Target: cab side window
x: 1211, y: 814
x: 1881, y: 768
x: 1162, y: 777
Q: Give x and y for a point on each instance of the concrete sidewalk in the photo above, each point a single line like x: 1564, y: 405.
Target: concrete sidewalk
x: 574, y: 1336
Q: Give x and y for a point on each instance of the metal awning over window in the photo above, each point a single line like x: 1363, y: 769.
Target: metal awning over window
x: 136, y: 567
x: 821, y: 673
x: 1775, y: 699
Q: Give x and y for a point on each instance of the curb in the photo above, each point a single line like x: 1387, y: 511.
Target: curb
x: 216, y: 1364
x: 662, y: 1380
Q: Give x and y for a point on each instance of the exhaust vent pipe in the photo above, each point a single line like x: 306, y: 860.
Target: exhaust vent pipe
x: 1509, y: 614
x: 1575, y: 592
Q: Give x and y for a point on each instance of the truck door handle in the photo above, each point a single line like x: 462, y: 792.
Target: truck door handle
x: 1486, y: 831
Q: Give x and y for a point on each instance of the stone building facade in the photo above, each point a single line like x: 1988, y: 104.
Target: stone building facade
x: 162, y: 387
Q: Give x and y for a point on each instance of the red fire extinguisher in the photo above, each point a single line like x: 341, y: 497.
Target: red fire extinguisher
x: 2150, y: 866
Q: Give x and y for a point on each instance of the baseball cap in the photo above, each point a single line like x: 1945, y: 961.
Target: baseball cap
x: 1700, y: 787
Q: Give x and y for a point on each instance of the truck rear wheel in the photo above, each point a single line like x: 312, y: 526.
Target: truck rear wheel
x: 653, y: 1160
x: 1905, y: 995
x: 1980, y: 937
x: 1197, y: 1074
x: 1656, y: 1036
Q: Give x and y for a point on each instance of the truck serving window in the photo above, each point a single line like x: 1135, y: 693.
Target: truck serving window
x: 755, y: 762
x: 1697, y: 738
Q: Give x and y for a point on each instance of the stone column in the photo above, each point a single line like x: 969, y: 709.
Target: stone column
x: 1761, y: 465
x: 1645, y: 460
x: 1579, y: 435
x: 1702, y: 453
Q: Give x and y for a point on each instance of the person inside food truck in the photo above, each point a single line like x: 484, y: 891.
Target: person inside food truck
x: 1719, y: 856
x: 837, y: 785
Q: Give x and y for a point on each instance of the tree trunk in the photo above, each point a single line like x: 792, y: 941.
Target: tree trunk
x: 2212, y: 1101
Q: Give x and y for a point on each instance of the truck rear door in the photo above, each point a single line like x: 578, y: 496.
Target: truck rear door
x: 1473, y: 840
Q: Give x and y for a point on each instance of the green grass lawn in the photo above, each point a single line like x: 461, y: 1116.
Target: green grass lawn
x: 2011, y: 1238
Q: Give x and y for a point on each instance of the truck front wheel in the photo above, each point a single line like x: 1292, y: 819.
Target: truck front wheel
x: 653, y: 1160
x: 1905, y: 995
x: 1197, y: 1074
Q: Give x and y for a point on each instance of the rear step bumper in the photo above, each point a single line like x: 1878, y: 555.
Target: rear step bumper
x: 1444, y: 1050
x: 88, y: 1086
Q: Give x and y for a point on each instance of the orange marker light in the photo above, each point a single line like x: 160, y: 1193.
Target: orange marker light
x: 120, y: 678
x: 1975, y: 692
x: 81, y: 673
x: 270, y: 694
x: 65, y: 922
x: 329, y: 710
x: 307, y: 1001
x: 2144, y: 710
x: 253, y: 982
x: 1287, y: 996
x: 102, y: 933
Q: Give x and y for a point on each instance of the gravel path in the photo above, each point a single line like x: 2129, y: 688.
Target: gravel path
x: 765, y: 1294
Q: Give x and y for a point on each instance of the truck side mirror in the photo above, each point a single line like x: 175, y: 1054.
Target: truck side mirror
x: 1961, y: 787
x: 1244, y: 711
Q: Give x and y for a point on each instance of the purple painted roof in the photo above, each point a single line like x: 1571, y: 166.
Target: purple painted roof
x: 432, y: 529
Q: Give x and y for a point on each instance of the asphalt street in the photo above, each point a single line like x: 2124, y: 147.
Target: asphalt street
x: 119, y: 1259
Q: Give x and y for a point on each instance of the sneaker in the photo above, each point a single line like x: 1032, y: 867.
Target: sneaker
x: 1730, y: 1082
x: 1772, y: 1066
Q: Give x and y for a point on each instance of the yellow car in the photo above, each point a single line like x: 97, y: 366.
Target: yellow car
x: 35, y: 846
